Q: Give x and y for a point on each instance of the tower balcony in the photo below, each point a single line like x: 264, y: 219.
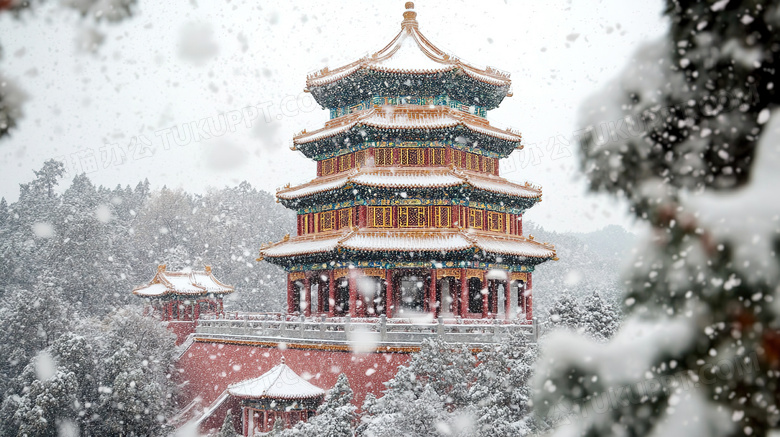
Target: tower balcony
x: 380, y: 334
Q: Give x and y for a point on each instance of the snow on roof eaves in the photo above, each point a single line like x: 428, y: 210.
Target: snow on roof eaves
x: 182, y: 283
x: 281, y: 382
x: 410, y: 52
x: 434, y: 177
x: 427, y: 240
x: 151, y: 290
x: 440, y: 118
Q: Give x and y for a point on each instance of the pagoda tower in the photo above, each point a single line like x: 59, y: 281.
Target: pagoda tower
x: 408, y: 213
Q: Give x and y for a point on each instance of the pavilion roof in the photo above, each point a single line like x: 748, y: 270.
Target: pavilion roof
x: 411, y: 177
x: 281, y: 382
x: 186, y: 283
x: 417, y: 240
x: 410, y: 52
x: 407, y: 117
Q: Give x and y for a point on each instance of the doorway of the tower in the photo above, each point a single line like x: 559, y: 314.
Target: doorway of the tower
x: 448, y: 296
x: 411, y: 288
x: 371, y: 293
x: 341, y: 305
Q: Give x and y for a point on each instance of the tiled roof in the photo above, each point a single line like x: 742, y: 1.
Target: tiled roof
x: 182, y: 283
x: 405, y: 177
x: 410, y: 52
x: 407, y: 117
x: 425, y: 240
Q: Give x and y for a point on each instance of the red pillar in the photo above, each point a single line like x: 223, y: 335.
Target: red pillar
x: 528, y: 299
x: 352, y: 294
x: 507, y: 298
x: 389, y: 301
x: 331, y: 294
x: 485, y: 299
x: 290, y: 291
x: 307, y: 295
x: 464, y: 293
x: 434, y: 304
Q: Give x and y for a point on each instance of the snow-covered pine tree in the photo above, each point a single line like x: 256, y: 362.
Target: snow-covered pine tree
x: 565, y: 313
x: 227, y: 429
x: 601, y: 319
x: 696, y: 115
x: 500, y: 393
x: 335, y: 417
x: 439, y: 370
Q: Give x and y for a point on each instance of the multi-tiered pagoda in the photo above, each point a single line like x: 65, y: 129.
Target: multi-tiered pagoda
x: 408, y: 213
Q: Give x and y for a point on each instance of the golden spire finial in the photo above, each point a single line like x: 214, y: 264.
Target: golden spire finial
x: 409, y: 16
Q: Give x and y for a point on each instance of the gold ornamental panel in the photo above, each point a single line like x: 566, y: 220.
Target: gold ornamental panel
x: 474, y: 273
x: 447, y: 273
x: 519, y: 276
x: 374, y: 272
x: 297, y: 276
x: 340, y: 273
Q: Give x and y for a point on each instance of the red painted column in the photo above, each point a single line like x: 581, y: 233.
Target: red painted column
x: 352, y: 294
x: 528, y: 299
x: 307, y: 295
x: 464, y: 293
x: 362, y: 217
x: 485, y: 299
x: 507, y: 298
x: 434, y: 304
x: 331, y: 294
x: 389, y: 299
x: 290, y: 291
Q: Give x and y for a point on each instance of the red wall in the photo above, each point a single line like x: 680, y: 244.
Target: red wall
x: 181, y: 329
x: 208, y: 368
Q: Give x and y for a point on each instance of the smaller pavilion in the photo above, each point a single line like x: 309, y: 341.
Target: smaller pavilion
x: 279, y: 394
x: 180, y: 298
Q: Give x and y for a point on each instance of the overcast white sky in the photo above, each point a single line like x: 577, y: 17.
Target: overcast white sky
x: 141, y: 81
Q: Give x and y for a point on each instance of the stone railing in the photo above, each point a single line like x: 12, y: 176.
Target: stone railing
x: 379, y: 331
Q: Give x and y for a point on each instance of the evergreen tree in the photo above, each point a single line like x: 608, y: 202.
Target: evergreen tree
x: 500, y: 394
x: 335, y: 417
x: 701, y: 109
x: 434, y: 384
x: 227, y: 429
x: 566, y: 313
x: 601, y: 319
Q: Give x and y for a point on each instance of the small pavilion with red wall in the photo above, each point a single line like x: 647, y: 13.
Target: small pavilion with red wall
x: 279, y: 394
x: 181, y: 297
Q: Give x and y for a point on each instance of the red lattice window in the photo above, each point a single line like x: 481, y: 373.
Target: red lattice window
x: 412, y: 156
x: 437, y: 156
x: 329, y: 166
x: 383, y: 157
x: 327, y: 220
x: 345, y: 162
x: 442, y: 216
x: 380, y: 216
x: 360, y: 158
x: 345, y: 218
x: 490, y: 165
x: 412, y: 217
x: 495, y: 221
x: 475, y: 218
x: 472, y: 162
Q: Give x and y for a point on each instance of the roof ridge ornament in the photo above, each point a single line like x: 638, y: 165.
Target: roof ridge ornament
x: 410, y: 16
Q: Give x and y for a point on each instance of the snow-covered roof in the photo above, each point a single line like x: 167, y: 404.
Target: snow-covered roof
x: 410, y: 52
x: 407, y: 117
x: 426, y: 240
x: 182, y: 283
x: 281, y: 382
x: 420, y: 177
